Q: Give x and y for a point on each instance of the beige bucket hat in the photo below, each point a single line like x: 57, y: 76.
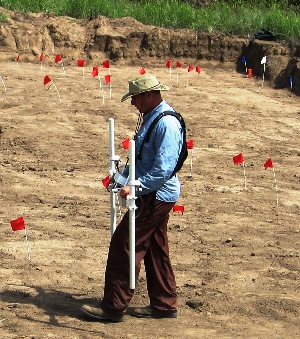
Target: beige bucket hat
x: 144, y: 83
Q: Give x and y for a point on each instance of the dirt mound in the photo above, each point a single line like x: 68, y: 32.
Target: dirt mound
x: 129, y: 42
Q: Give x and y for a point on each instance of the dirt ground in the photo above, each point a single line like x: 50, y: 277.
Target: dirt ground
x: 235, y: 252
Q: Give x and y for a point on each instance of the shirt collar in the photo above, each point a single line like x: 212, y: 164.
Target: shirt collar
x: 157, y: 109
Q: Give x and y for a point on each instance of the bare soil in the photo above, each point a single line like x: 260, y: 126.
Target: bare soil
x: 235, y: 252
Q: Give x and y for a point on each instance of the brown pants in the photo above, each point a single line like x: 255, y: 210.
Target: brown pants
x: 152, y: 246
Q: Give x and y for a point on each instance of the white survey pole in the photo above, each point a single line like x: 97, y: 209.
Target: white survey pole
x: 112, y: 170
x: 133, y: 184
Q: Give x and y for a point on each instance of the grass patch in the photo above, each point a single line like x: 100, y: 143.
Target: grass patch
x: 3, y: 18
x: 236, y: 17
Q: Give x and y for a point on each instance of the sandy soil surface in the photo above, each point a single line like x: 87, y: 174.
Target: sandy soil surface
x: 235, y: 252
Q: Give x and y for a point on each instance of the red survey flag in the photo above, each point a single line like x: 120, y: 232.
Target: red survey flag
x: 126, y: 143
x: 190, y: 68
x: 178, y: 208
x: 268, y: 163
x: 142, y: 71
x: 105, y: 64
x: 57, y: 58
x: 190, y: 144
x: 198, y: 69
x: 107, y: 78
x: 178, y: 64
x: 18, y: 57
x: 238, y: 159
x: 106, y: 181
x: 80, y: 63
x: 169, y: 63
x: 46, y: 80
x: 18, y: 224
x: 95, y: 71
x: 42, y: 57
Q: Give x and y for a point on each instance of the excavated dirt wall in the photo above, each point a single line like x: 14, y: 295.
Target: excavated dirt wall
x: 130, y: 42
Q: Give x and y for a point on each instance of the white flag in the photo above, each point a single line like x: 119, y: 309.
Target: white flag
x: 263, y: 60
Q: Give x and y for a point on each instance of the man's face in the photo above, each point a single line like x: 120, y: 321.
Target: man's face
x: 140, y: 101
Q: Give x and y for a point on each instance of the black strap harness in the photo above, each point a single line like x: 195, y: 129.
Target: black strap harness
x: 183, y: 154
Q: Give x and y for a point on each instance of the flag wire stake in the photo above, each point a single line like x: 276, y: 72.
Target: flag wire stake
x: 27, y: 244
x: 244, y: 167
x: 55, y: 88
x: 63, y: 67
x: 103, y: 95
x: 101, y: 88
x: 103, y: 100
x: 191, y: 165
x: 5, y: 91
x: 100, y: 82
x: 110, y: 91
x: 276, y: 187
x: 263, y: 61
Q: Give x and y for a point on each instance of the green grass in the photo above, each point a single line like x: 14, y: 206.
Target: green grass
x: 231, y: 17
x: 3, y: 18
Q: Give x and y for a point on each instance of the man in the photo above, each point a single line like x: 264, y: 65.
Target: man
x: 155, y: 162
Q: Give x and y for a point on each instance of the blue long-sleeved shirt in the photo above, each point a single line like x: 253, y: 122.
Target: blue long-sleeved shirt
x: 159, y: 155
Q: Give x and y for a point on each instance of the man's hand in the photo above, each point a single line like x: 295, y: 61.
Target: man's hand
x: 124, y: 191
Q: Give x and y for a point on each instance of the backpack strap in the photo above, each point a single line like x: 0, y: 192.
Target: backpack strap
x: 153, y: 124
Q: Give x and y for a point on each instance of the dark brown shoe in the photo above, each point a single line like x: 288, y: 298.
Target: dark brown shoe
x: 99, y: 314
x: 148, y: 312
